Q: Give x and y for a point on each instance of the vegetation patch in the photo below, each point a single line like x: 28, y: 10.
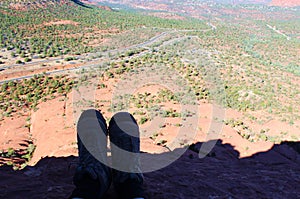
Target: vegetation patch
x: 26, y: 94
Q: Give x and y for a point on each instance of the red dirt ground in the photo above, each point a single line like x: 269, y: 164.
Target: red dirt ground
x: 61, y: 22
x: 235, y: 167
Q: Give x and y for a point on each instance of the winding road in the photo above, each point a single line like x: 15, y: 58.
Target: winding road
x: 90, y: 65
x: 277, y: 31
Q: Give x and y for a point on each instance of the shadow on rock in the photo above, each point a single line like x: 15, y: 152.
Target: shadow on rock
x: 221, y: 174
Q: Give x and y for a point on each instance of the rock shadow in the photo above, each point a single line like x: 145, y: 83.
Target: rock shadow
x: 221, y: 174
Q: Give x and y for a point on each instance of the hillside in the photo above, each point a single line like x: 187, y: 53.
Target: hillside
x: 165, y: 5
x: 193, y: 73
x: 28, y: 4
x: 55, y: 28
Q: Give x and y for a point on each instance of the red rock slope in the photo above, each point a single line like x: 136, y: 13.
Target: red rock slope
x: 222, y: 174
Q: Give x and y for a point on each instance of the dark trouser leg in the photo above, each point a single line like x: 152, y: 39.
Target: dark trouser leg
x: 92, y: 177
x: 125, y: 148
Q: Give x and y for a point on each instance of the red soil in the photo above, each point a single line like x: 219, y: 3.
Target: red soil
x: 235, y: 167
x: 61, y: 22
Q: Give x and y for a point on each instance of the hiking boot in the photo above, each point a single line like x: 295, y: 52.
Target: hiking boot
x: 92, y: 177
x: 125, y: 148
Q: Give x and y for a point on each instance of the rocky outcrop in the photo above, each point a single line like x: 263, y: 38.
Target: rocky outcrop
x: 221, y: 174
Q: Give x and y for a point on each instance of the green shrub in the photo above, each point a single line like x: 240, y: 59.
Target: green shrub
x: 19, y: 62
x: 27, y: 59
x: 69, y: 58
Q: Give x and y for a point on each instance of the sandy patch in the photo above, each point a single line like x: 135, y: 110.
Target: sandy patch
x: 18, y: 6
x: 53, y: 129
x: 13, y: 132
x: 243, y: 146
x: 62, y: 22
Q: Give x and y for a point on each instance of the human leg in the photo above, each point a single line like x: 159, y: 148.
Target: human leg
x: 92, y: 177
x: 125, y: 147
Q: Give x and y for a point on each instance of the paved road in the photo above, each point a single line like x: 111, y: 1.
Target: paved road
x: 144, y: 44
x: 277, y: 31
x: 30, y: 63
x: 153, y: 39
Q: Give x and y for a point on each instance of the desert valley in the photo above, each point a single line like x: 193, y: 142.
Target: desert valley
x: 218, y: 80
